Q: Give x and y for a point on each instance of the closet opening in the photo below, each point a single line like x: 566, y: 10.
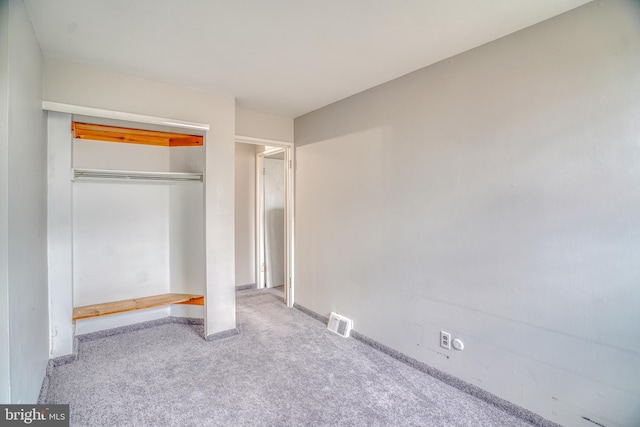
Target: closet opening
x: 138, y: 221
x: 126, y: 221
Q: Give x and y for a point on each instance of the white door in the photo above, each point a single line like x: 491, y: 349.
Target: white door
x: 274, y: 220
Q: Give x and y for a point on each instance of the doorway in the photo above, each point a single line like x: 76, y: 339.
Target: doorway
x: 273, y: 216
x: 271, y: 206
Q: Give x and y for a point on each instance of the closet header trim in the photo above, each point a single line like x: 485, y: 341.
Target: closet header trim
x: 119, y: 115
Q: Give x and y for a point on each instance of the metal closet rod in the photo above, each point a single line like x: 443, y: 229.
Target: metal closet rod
x: 109, y: 174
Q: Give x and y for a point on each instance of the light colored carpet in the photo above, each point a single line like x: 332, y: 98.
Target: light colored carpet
x: 283, y: 369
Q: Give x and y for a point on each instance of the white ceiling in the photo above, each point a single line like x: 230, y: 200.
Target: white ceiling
x: 285, y: 57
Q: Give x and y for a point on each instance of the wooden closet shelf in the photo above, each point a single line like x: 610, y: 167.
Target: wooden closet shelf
x: 133, y: 136
x: 95, y: 310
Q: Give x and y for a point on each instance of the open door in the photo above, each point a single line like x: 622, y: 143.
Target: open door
x: 272, y: 215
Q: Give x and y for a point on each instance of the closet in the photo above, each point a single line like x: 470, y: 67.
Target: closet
x: 138, y: 218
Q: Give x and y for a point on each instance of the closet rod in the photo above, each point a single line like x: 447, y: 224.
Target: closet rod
x: 119, y: 175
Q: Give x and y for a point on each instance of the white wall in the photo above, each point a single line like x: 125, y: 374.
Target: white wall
x: 262, y: 125
x: 495, y: 196
x: 245, y: 213
x: 23, y: 210
x: 79, y: 85
x: 60, y: 233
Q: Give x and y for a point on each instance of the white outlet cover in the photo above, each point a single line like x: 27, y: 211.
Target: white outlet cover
x: 445, y: 340
x: 458, y: 344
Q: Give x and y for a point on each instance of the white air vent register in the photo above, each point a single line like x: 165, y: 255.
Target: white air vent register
x: 340, y: 325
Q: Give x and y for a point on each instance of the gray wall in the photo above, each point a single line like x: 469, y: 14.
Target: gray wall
x: 23, y: 210
x: 494, y: 195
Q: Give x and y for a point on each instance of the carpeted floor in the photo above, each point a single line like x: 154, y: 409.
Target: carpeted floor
x: 283, y: 369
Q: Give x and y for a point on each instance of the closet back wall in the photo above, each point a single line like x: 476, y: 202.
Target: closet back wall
x: 121, y: 230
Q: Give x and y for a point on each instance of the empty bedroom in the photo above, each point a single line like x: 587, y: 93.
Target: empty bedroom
x: 335, y: 213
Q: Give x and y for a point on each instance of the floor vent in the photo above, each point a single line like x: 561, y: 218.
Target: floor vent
x: 340, y: 325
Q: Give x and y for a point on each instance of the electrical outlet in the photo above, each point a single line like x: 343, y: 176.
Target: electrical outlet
x: 445, y: 340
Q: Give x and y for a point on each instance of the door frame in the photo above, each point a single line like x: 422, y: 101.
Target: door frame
x: 289, y: 161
